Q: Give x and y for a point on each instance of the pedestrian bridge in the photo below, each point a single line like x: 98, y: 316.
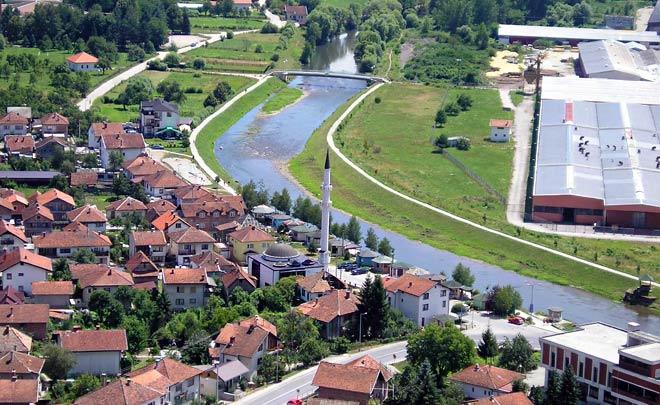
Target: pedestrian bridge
x: 285, y: 74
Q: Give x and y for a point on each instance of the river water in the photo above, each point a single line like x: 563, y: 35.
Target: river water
x: 258, y: 145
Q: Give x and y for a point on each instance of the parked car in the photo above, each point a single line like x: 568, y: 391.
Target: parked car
x: 361, y: 270
x: 295, y: 402
x: 157, y: 147
x: 516, y: 320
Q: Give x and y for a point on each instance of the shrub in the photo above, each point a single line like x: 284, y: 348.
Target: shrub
x: 464, y: 101
x: 259, y: 49
x: 463, y: 143
x: 172, y: 59
x: 135, y: 53
x: 377, y: 100
x: 442, y: 141
x: 230, y: 34
x: 199, y: 63
x: 156, y: 65
x: 452, y: 109
x: 275, y: 57
x: 269, y: 28
x: 458, y: 308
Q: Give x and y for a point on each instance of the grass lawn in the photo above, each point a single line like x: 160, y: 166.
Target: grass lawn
x: 343, y: 3
x: 516, y: 96
x: 282, y: 99
x: 170, y: 145
x: 100, y: 199
x: 217, y: 23
x: 191, y: 107
x: 359, y: 196
x: 216, y: 128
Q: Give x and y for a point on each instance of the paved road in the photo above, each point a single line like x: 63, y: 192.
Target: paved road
x: 275, y: 19
x: 300, y: 384
x: 524, y: 114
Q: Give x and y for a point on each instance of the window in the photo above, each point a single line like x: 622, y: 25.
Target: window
x: 192, y: 301
x: 180, y: 301
x: 202, y: 214
x: 443, y: 293
x: 444, y: 304
x: 20, y: 274
x: 216, y: 213
x: 179, y: 387
x: 205, y: 246
x: 426, y: 296
x: 581, y: 369
x: 179, y: 289
x: 593, y: 391
x: 552, y: 359
x: 193, y: 289
x: 250, y: 246
x: 9, y: 276
x: 594, y: 375
x: 200, y: 225
x: 177, y: 225
x: 261, y: 347
x: 65, y: 250
x: 566, y: 363
x: 190, y: 382
x: 425, y: 307
x: 548, y: 210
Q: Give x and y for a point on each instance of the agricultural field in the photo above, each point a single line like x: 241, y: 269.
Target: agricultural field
x: 211, y: 24
x: 190, y: 107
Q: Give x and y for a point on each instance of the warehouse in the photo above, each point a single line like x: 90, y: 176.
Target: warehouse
x: 598, y: 153
x: 617, y: 60
x: 527, y: 34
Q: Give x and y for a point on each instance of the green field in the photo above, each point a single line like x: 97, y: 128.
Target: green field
x: 282, y: 99
x: 191, y: 107
x: 357, y: 195
x: 217, y: 23
x: 174, y: 145
x: 206, y: 139
x: 343, y: 3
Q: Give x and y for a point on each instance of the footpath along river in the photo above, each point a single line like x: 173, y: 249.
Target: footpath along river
x: 257, y: 146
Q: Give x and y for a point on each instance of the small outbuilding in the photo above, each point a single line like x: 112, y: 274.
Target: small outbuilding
x: 500, y: 130
x: 555, y: 314
x: 82, y: 62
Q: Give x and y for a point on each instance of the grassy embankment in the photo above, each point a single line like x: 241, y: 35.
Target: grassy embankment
x: 359, y: 196
x: 216, y: 128
x: 516, y: 97
x: 282, y: 99
x: 211, y: 24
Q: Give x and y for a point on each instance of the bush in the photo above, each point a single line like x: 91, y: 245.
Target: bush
x: 463, y: 144
x: 199, y: 63
x: 135, y: 53
x: 441, y: 142
x: 259, y: 49
x: 172, y: 59
x: 275, y: 57
x: 339, y: 345
x: 377, y: 100
x: 452, y: 109
x: 464, y: 101
x: 269, y: 28
x: 230, y: 34
x: 503, y: 301
x: 156, y: 65
x: 458, y: 308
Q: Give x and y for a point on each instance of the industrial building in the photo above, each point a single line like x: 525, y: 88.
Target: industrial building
x: 618, y: 60
x: 527, y: 34
x: 598, y: 153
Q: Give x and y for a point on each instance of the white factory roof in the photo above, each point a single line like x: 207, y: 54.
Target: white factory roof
x: 596, y: 340
x: 630, y: 59
x: 649, y: 352
x: 599, y: 140
x: 568, y: 33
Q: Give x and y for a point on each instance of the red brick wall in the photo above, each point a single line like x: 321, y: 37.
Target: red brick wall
x: 560, y: 358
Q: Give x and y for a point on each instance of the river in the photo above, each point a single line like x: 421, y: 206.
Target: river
x: 258, y: 145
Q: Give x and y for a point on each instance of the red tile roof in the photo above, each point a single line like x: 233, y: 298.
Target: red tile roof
x: 23, y: 313
x: 161, y: 206
x: 95, y: 340
x: 99, y: 275
x: 212, y: 262
x: 6, y: 227
x: 143, y: 166
x: 19, y: 391
x: 126, y: 205
x: 13, y: 196
x: 166, y: 220
x: 17, y: 256
x: 515, y: 398
x: 55, y: 194
x: 235, y: 275
x: 35, y: 209
x: 251, y: 234
x: 13, y: 339
x: 104, y: 128
x: 149, y: 238
x: 358, y: 376
x: 15, y: 362
x: 192, y: 192
x: 173, y: 370
x: 51, y: 139
x: 185, y: 276
x: 70, y: 238
x: 314, y: 283
x: 409, y: 284
x: 191, y: 235
x: 141, y: 265
x: 260, y: 322
x: 86, y: 214
x: 13, y: 118
x: 19, y: 143
x: 490, y: 377
x: 84, y: 178
x: 52, y: 288
x: 82, y: 57
x: 123, y: 141
x: 122, y: 391
x: 164, y: 179
x: 330, y: 306
x: 10, y: 295
x: 245, y: 338
x: 54, y: 119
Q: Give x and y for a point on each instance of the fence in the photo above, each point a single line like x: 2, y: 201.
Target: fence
x: 474, y: 176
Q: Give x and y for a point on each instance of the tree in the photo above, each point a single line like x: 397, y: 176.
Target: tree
x: 109, y: 310
x: 570, y: 389
x: 282, y: 200
x: 312, y: 351
x: 226, y: 7
x: 503, y: 301
x: 199, y: 63
x: 136, y: 53
x: 353, y: 232
x: 441, y: 142
x: 385, y: 248
x: 59, y: 182
x: 371, y: 241
x: 115, y: 160
x: 482, y: 37
x: 445, y: 348
x: 373, y: 304
x: 427, y: 384
x: 171, y: 91
x: 553, y: 389
x: 440, y: 118
x: 172, y: 59
x: 85, y: 384
x: 464, y: 101
x: 58, y: 361
x: 185, y: 22
x: 84, y: 256
x: 292, y: 330
x: 137, y: 334
x: 210, y: 101
x: 268, y: 369
x: 61, y: 270
x: 488, y: 346
x: 223, y: 91
x: 137, y: 90
x: 196, y: 350
x: 517, y: 355
x: 452, y: 109
x: 463, y: 275
x: 463, y: 143
x: 536, y: 395
x: 520, y: 386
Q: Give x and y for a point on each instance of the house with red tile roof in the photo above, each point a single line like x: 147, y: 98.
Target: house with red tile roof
x: 12, y: 339
x: 16, y: 198
x: 249, y: 240
x: 92, y: 277
x: 247, y: 341
x: 208, y: 215
x: 54, y: 124
x: 182, y: 380
x: 151, y: 243
x: 480, y: 381
x: 192, y: 193
x: 82, y: 62
x: 188, y: 243
x: 10, y: 296
x: 90, y: 216
x: 19, y: 392
x: 84, y: 178
x: 71, y: 239
x: 237, y: 277
x: 359, y: 381
x: 20, y: 267
x: 125, y: 206
x: 37, y: 219
x: 514, y: 398
x: 11, y: 236
x: 58, y: 202
x: 316, y: 285
x: 144, y: 271
x: 420, y: 299
x: 7, y: 210
x: 97, y: 351
x: 162, y: 184
x: 28, y: 318
x: 186, y: 288
x: 13, y: 123
x: 296, y: 14
x: 47, y: 147
x: 21, y: 365
x: 141, y: 167
x: 125, y: 391
x: 130, y: 145
x: 158, y: 207
x: 332, y: 310
x: 54, y: 293
x: 98, y: 129
x: 19, y: 145
x: 212, y: 262
x: 170, y: 222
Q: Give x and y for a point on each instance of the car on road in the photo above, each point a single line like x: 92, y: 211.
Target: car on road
x: 516, y: 320
x: 157, y: 147
x: 295, y: 402
x: 361, y: 270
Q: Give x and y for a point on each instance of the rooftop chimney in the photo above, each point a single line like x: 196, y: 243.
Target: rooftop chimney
x: 128, y: 381
x: 347, y: 294
x: 232, y: 340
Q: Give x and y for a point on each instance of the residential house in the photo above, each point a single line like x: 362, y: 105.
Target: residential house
x: 242, y: 4
x: 249, y: 240
x: 316, y: 285
x: 98, y: 129
x: 130, y: 146
x: 514, y: 398
x: 481, y: 381
x: 165, y: 382
x: 332, y: 311
x: 247, y: 341
x: 37, y: 219
x: 212, y: 262
x: 20, y: 267
x: 7, y: 210
x: 90, y: 216
x: 57, y: 294
x: 158, y: 115
x: 221, y: 232
x: 10, y: 295
x: 151, y: 243
x: 260, y: 212
x: 382, y: 264
x: 29, y: 318
x: 58, y: 202
x: 141, y: 167
x: 19, y: 392
x: 157, y: 208
x: 15, y: 198
x: 47, y: 148
x: 208, y: 215
x: 54, y: 125
x: 71, y: 239
x: 189, y: 242
x: 82, y: 62
x: 162, y: 184
x: 279, y: 261
x: 301, y: 232
x: 12, y: 339
x: 296, y: 14
x: 186, y: 288
x: 13, y: 123
x: 420, y: 299
x: 238, y: 277
x: 365, y: 257
x: 358, y: 382
x: 15, y: 364
x: 144, y: 271
x: 29, y: 177
x: 86, y: 178
x: 169, y: 223
x: 611, y: 365
x: 339, y: 247
x: 19, y: 145
x: 220, y: 381
x: 93, y: 277
x: 276, y: 220
x: 500, y: 130
x: 192, y: 193
x: 96, y: 351
x: 125, y: 206
x: 11, y: 236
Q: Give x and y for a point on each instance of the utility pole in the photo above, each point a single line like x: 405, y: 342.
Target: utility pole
x: 539, y: 59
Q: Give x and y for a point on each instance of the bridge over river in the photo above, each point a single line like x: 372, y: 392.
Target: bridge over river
x: 285, y: 74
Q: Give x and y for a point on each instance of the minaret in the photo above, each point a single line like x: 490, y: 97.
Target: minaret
x: 326, y: 187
